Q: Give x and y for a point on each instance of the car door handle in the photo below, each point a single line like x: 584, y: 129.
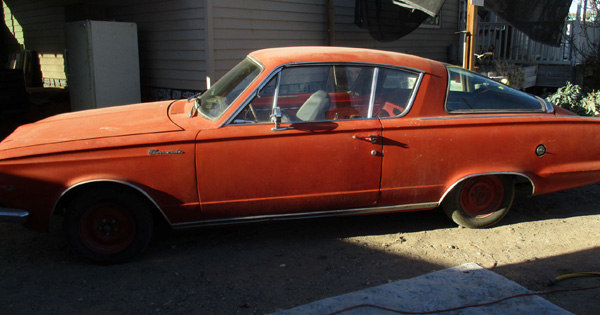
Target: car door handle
x: 372, y: 139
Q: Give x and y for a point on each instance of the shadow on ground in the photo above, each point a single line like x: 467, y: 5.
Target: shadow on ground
x: 261, y: 268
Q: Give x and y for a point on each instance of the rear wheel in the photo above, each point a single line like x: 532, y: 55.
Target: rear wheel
x: 480, y: 201
x: 108, y: 226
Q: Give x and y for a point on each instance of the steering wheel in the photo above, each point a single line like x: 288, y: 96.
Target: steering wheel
x: 215, y: 102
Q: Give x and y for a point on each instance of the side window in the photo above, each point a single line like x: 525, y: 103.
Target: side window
x: 394, y: 91
x: 320, y: 93
x: 353, y: 93
x: 469, y: 92
x: 304, y: 93
x: 259, y: 109
x: 323, y: 93
x: 313, y: 93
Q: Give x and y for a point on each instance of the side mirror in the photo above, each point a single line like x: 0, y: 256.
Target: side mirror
x: 276, y: 119
x: 276, y: 116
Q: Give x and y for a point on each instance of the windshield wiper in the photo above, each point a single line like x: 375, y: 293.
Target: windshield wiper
x: 197, y: 103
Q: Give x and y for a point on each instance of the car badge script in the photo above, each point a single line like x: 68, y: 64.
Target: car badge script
x: 159, y: 152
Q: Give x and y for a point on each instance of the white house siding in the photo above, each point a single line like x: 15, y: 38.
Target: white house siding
x: 39, y: 26
x: 431, y: 43
x: 171, y: 41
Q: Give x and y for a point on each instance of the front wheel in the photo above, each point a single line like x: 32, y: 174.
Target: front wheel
x: 481, y: 201
x: 108, y: 226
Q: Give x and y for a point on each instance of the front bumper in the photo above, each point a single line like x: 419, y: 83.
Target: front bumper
x: 9, y: 215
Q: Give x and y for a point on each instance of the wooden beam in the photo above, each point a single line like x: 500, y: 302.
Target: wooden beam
x: 330, y: 23
x: 470, y: 42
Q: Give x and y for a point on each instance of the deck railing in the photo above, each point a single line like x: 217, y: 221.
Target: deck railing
x: 509, y: 44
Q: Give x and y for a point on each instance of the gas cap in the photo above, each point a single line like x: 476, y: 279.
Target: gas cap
x: 540, y: 150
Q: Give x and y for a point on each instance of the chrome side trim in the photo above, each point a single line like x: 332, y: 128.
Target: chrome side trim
x: 305, y: 215
x: 8, y: 215
x: 115, y: 182
x: 483, y: 174
x: 480, y: 116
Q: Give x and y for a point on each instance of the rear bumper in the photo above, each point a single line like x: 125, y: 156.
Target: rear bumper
x: 9, y: 215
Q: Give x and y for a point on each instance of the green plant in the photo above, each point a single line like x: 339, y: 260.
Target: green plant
x: 568, y: 97
x: 591, y: 103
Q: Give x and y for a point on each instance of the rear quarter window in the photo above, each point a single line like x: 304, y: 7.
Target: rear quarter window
x: 469, y: 92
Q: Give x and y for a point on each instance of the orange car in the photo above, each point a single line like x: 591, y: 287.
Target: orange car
x: 292, y: 133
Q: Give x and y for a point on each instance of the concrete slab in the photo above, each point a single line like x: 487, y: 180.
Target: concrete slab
x: 466, y: 284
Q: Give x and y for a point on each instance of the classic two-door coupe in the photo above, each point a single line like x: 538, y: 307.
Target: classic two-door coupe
x: 294, y: 133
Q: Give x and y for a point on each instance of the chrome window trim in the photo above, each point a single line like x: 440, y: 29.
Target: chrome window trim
x: 247, y: 100
x: 276, y: 93
x: 373, y: 90
x: 306, y: 215
x: 411, y: 100
x: 277, y: 70
x: 349, y: 63
x: 549, y: 106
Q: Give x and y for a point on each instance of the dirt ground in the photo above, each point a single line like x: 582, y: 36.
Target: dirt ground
x: 262, y: 268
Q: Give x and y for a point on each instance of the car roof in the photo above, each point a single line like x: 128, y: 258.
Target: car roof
x: 273, y: 57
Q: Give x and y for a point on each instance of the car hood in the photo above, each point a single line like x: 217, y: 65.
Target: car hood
x: 93, y: 124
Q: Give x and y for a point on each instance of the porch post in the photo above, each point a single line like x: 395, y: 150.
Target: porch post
x: 470, y: 37
x: 330, y: 22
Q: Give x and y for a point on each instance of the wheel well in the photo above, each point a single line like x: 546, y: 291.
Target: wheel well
x: 61, y: 208
x: 522, y: 182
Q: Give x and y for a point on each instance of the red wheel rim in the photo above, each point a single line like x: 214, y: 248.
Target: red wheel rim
x: 482, y: 196
x: 107, y: 229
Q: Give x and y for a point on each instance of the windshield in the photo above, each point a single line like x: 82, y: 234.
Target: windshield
x: 215, y: 101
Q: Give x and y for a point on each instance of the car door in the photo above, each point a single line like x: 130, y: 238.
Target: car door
x: 325, y: 155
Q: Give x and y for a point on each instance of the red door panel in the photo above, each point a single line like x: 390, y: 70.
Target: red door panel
x: 250, y: 170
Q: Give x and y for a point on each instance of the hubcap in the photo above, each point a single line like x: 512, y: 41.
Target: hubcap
x: 482, y: 196
x: 107, y: 229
